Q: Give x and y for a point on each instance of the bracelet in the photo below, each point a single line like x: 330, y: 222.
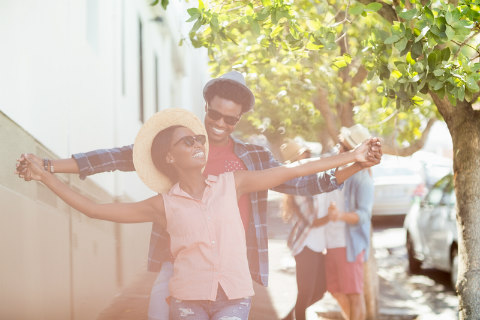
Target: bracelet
x: 46, y: 164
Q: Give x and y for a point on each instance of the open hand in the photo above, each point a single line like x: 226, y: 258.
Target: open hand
x: 29, y: 167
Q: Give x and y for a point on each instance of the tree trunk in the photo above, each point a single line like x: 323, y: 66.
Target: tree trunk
x: 464, y: 125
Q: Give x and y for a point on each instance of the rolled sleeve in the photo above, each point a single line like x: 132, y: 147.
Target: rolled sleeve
x: 104, y: 160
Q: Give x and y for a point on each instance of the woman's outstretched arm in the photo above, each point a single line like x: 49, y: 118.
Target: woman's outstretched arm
x: 151, y: 209
x: 252, y: 181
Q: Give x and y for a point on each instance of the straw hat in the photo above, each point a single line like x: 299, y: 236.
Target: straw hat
x: 142, y: 159
x: 354, y: 135
x: 292, y: 150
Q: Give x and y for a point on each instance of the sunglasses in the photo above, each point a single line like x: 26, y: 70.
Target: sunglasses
x: 190, y: 140
x: 215, y: 115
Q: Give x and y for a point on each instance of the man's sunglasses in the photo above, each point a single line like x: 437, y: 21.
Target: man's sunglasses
x: 190, y: 140
x: 215, y: 115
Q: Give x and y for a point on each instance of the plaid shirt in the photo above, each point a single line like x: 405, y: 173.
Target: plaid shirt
x: 255, y: 158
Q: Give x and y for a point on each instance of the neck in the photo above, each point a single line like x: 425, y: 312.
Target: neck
x: 220, y: 143
x: 192, y: 182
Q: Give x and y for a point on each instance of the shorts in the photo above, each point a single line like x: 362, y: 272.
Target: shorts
x: 343, y: 276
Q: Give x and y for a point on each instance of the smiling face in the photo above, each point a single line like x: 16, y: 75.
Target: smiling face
x: 184, y: 155
x: 218, y: 130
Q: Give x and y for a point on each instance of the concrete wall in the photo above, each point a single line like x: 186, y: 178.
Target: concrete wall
x: 70, y: 82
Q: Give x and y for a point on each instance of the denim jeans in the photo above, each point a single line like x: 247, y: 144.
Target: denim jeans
x: 158, y: 307
x: 220, y: 309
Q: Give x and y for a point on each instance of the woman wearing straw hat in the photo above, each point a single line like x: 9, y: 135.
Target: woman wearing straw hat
x: 211, y: 277
x: 306, y: 239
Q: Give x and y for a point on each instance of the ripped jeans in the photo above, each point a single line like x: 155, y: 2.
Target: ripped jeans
x: 220, y: 309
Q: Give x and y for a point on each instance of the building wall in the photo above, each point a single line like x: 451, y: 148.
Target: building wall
x: 70, y: 82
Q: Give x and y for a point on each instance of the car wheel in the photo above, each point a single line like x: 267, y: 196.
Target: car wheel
x: 454, y: 267
x: 413, y: 263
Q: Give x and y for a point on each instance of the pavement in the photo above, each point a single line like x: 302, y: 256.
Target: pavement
x: 402, y: 297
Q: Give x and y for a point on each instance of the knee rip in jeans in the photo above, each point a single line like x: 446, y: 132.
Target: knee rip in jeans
x: 229, y: 318
x: 185, y: 312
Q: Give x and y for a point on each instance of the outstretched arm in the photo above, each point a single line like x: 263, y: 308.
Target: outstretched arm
x: 89, y: 163
x: 252, y: 181
x: 148, y: 210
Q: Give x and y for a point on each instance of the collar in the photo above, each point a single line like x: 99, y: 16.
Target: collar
x: 176, y: 190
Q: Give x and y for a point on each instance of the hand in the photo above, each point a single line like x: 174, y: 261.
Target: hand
x: 318, y: 222
x: 30, y: 167
x: 375, y: 153
x: 333, y: 213
x: 362, y: 152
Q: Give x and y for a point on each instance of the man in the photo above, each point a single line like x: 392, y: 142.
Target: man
x: 227, y: 99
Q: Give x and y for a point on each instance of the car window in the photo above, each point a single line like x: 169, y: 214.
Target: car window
x: 449, y: 198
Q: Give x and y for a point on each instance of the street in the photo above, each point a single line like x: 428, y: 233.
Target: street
x: 427, y: 295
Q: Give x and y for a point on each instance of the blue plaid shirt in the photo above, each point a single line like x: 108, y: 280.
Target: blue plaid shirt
x: 255, y: 158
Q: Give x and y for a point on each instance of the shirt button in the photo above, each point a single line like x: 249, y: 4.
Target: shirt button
x: 213, y: 242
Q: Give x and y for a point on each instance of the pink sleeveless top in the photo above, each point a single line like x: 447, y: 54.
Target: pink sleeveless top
x: 207, y: 242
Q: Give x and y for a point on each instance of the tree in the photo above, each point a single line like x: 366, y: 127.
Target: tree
x: 391, y: 65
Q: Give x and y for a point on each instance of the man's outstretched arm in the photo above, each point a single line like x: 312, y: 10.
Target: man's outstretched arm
x: 92, y: 162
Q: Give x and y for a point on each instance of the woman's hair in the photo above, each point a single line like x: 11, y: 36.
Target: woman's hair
x: 159, y: 150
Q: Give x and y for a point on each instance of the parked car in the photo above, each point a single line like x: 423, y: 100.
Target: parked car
x: 397, y: 180
x: 431, y: 230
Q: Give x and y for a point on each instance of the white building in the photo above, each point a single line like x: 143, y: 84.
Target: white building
x: 77, y: 76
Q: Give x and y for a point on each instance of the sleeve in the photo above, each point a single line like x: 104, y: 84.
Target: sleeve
x: 364, y: 199
x: 306, y: 186
x: 104, y: 160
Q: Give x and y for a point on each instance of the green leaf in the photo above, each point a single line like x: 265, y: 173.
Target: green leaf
x: 197, y: 25
x: 446, y: 54
x: 450, y: 33
x: 422, y: 34
x: 461, y: 93
x: 356, y: 9
x: 373, y: 7
x: 165, y: 4
x: 392, y: 39
x: 408, y: 15
x: 472, y: 85
x: 429, y: 14
x: 401, y: 44
x: 409, y: 59
x: 439, y: 72
x: 276, y: 31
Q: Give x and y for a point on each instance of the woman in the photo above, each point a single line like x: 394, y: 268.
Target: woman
x: 306, y: 239
x: 211, y: 278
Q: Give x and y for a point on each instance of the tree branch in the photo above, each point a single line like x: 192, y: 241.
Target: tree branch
x: 389, y: 148
x: 387, y: 11
x: 321, y: 103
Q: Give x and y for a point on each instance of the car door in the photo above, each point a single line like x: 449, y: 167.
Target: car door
x: 438, y: 232
x: 424, y: 219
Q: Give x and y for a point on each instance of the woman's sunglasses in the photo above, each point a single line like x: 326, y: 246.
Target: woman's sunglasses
x: 190, y: 140
x: 215, y: 115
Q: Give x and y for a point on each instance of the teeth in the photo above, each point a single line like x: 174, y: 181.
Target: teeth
x: 218, y: 131
x: 199, y: 154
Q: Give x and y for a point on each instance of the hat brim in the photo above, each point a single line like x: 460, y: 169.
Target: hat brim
x: 245, y: 89
x: 142, y: 157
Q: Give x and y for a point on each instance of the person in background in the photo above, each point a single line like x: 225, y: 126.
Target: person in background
x: 227, y: 98
x: 211, y: 278
x: 348, y: 232
x: 306, y: 239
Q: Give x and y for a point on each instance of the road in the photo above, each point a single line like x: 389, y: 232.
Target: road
x: 425, y: 296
